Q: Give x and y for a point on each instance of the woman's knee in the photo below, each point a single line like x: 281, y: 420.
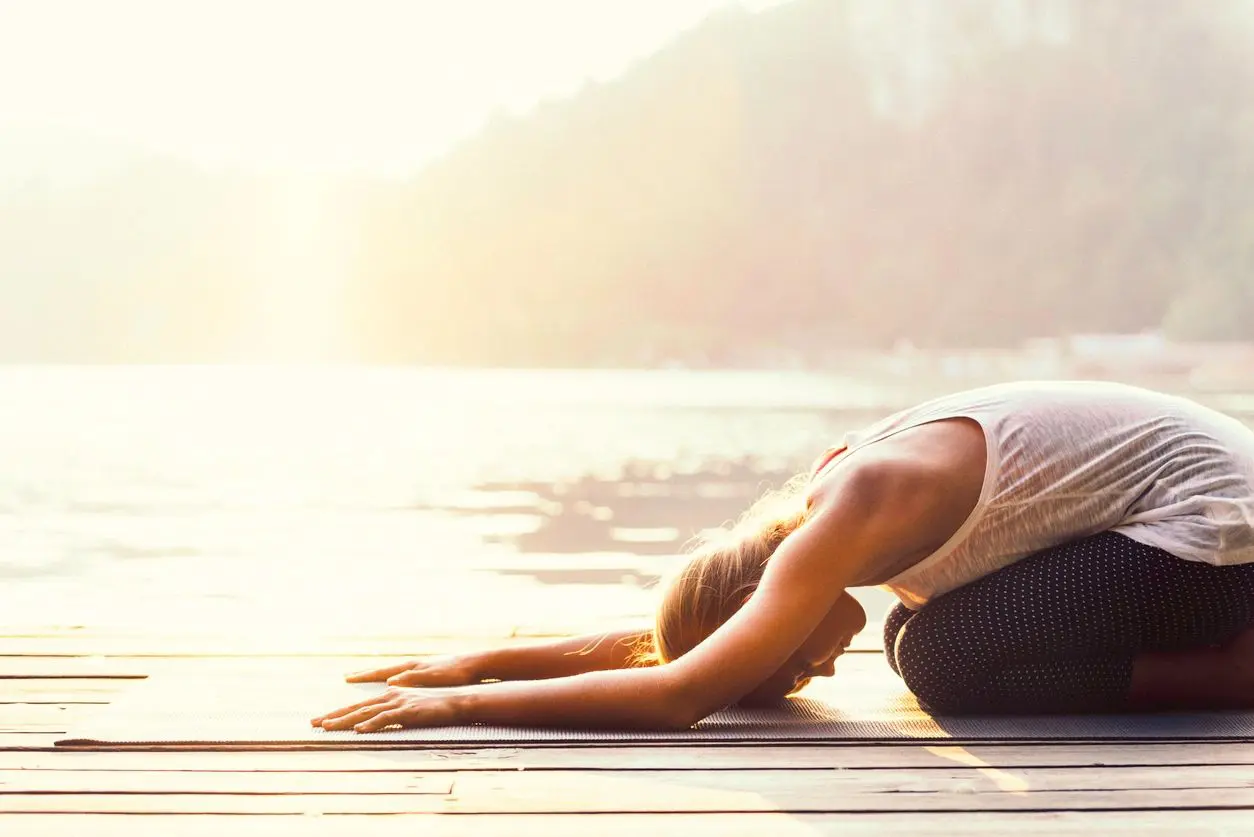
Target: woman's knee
x: 943, y: 677
x: 894, y: 621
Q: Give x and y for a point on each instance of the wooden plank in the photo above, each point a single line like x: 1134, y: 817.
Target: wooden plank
x: 245, y: 647
x: 60, y: 690
x: 174, y: 803
x: 800, y: 786
x: 93, y: 642
x: 777, y: 757
x: 895, y: 824
x: 830, y: 799
x: 849, y: 791
x: 74, y: 668
x: 48, y: 719
x: 630, y: 791
x: 133, y: 668
x: 20, y: 703
x: 66, y: 699
x: 15, y: 716
x: 124, y: 668
x: 221, y: 782
x: 29, y: 740
x: 480, y: 631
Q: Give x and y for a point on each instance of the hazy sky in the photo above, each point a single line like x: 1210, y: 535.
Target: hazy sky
x: 312, y: 84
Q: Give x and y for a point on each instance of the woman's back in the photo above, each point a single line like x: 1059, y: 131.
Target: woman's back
x: 1069, y: 459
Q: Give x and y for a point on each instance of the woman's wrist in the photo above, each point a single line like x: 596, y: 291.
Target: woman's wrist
x: 461, y: 702
x: 481, y: 665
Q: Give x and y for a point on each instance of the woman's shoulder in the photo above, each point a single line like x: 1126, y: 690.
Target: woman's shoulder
x: 939, y: 460
x: 935, y: 448
x: 910, y: 494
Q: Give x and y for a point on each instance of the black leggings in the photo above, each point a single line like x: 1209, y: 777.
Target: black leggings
x: 1057, y: 631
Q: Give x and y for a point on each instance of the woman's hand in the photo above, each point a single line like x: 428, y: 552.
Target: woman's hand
x: 396, y: 706
x: 453, y: 670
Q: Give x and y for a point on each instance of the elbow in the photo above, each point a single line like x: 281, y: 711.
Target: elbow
x: 679, y: 718
x: 679, y: 709
x: 666, y: 715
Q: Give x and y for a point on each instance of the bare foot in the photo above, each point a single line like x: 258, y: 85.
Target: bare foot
x: 1239, y: 652
x: 1198, y: 679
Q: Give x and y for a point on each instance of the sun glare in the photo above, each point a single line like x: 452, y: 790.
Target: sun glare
x: 306, y: 94
x: 380, y: 86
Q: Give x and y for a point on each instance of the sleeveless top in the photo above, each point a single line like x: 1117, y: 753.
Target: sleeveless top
x: 1070, y: 459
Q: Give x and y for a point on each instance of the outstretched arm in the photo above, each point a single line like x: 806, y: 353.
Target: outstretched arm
x: 566, y: 657
x: 801, y: 583
x: 906, y: 505
x: 534, y: 661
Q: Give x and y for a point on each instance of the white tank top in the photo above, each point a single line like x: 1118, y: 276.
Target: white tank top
x: 1071, y: 459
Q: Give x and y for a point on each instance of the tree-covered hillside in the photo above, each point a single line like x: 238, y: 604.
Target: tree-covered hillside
x: 826, y: 173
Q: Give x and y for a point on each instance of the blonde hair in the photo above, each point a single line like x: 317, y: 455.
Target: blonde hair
x: 724, y: 569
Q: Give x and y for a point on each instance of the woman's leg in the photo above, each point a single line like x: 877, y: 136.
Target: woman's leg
x: 1063, y: 630
x: 894, y: 621
x: 1203, y: 678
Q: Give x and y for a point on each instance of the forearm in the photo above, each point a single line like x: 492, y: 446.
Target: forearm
x: 623, y: 699
x: 562, y: 658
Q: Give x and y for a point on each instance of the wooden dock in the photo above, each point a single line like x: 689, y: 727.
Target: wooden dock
x: 50, y: 678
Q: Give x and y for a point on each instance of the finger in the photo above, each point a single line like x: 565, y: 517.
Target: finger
x: 411, y: 678
x: 354, y: 718
x: 377, y: 675
x: 340, y: 714
x: 346, y: 709
x: 430, y: 676
x: 385, y: 697
x: 383, y: 720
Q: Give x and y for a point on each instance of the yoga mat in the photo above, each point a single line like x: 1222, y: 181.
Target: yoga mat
x: 864, y: 702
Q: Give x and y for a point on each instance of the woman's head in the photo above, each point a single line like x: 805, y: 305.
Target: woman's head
x: 724, y: 570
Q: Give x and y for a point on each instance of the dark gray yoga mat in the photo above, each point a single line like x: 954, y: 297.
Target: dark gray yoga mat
x: 864, y: 703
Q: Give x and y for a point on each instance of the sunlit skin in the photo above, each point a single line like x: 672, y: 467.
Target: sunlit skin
x: 815, y: 658
x: 902, y: 497
x: 899, y: 499
x: 817, y: 655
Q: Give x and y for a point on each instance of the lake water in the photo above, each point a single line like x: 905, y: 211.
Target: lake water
x: 350, y: 501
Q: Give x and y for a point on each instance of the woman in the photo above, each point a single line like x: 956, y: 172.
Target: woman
x: 1055, y: 546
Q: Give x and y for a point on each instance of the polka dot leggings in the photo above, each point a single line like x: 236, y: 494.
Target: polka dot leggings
x: 1056, y: 632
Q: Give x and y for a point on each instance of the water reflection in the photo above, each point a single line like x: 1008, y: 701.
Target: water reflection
x: 648, y: 508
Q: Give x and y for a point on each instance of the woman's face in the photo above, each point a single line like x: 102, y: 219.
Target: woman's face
x: 817, y: 655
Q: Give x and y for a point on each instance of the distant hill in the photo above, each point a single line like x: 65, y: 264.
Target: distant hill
x: 821, y: 174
